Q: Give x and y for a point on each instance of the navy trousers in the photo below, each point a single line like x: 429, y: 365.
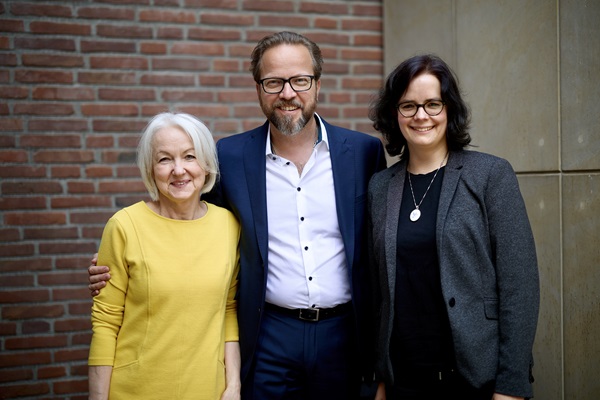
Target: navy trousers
x: 303, y: 360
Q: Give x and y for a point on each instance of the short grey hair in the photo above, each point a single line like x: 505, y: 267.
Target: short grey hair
x: 204, y: 147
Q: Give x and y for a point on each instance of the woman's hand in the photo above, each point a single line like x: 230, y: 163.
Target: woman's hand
x: 380, y: 394
x: 498, y: 396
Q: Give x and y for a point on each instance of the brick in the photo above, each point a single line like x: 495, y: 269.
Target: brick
x: 30, y: 312
x: 222, y: 4
x: 14, y: 92
x: 81, y: 202
x: 62, y: 93
x: 287, y: 21
x: 373, y: 10
x: 237, y: 95
x: 72, y: 325
x: 156, y: 48
x: 91, y: 233
x: 70, y: 386
x: 8, y: 329
x: 25, y: 389
x: 131, y: 31
x: 43, y: 109
x: 50, y: 60
x: 66, y: 247
x: 128, y: 171
x: 375, y: 40
x: 119, y: 63
x: 9, y: 235
x: 208, y: 111
x: 51, y: 372
x: 170, y: 32
x: 43, y: 76
x: 65, y: 171
x: 98, y: 171
x: 361, y: 83
x: 130, y: 141
x: 158, y: 15
x: 75, y: 263
x: 126, y: 94
x: 50, y: 233
x: 60, y: 125
x: 24, y: 296
x: 31, y: 187
x: 16, y: 250
x: 10, y: 124
x: 63, y: 156
x: 151, y: 110
x: 121, y: 186
x: 45, y: 44
x: 118, y: 156
x: 187, y: 96
x: 226, y: 65
x: 106, y: 13
x: 374, y: 25
x: 22, y: 171
x: 227, y: 19
x: 362, y: 54
x: 51, y: 141
x: 115, y: 125
x: 175, y: 64
x: 35, y: 327
x: 326, y: 23
x: 9, y: 281
x: 101, y: 46
x: 16, y: 375
x: 11, y: 25
x: 8, y: 60
x: 32, y: 342
x: 95, y: 109
x: 107, y: 78
x: 213, y: 34
x: 81, y: 292
x: 126, y: 201
x: 40, y: 10
x: 259, y: 5
x: 196, y: 49
x: 79, y: 187
x: 25, y: 264
x: 80, y: 369
x: 168, y: 79
x: 35, y: 218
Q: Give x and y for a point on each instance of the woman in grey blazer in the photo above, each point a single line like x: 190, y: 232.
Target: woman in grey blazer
x: 454, y: 269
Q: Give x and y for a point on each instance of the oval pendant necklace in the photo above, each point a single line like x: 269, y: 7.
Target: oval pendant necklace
x: 416, y: 213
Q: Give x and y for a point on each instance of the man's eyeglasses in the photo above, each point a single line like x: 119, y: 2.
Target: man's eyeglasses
x: 300, y: 83
x: 409, y: 108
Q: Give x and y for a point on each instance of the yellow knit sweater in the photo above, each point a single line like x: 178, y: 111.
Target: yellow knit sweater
x: 165, y: 315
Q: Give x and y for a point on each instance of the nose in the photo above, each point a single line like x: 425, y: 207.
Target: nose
x: 287, y: 91
x: 178, y: 168
x: 421, y: 114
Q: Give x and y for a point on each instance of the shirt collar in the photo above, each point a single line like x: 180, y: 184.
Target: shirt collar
x: 322, y: 135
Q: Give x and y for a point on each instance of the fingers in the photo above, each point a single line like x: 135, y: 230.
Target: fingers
x: 98, y: 281
x: 94, y: 270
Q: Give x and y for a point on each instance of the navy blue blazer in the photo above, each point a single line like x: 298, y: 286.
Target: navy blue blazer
x: 488, y: 268
x: 355, y: 157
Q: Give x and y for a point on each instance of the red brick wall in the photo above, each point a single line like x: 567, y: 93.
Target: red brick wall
x: 78, y: 81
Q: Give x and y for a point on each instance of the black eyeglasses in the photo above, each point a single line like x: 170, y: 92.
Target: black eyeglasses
x: 299, y: 83
x: 409, y: 109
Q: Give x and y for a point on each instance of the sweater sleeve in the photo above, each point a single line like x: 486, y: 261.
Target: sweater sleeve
x: 108, y: 306
x: 231, y: 322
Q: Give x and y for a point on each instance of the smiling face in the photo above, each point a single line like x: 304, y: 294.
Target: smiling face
x: 288, y: 111
x: 177, y: 172
x: 422, y: 131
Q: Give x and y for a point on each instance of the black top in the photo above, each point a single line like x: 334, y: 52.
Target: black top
x: 421, y: 336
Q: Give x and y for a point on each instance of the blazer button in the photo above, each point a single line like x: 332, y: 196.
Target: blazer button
x: 452, y: 302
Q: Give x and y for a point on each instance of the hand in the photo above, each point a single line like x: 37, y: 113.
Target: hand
x: 380, y: 395
x: 231, y: 394
x: 98, y: 275
x: 498, y: 396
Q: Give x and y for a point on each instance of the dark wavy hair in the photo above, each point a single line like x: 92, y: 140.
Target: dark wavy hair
x: 285, y: 37
x: 384, y: 113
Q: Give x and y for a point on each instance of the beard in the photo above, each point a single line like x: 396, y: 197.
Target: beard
x: 286, y: 123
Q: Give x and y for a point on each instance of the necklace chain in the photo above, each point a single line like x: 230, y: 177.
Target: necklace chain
x: 416, y: 213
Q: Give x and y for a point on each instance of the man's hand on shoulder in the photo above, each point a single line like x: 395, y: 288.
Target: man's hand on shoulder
x: 98, y: 276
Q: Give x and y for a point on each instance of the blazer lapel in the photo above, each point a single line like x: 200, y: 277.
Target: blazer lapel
x: 342, y: 158
x: 256, y: 181
x: 451, y: 177
x: 394, y: 200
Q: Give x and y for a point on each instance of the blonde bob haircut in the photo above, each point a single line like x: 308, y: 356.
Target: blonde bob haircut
x: 204, y: 146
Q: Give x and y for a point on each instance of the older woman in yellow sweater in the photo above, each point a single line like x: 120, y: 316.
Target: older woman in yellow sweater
x: 165, y: 326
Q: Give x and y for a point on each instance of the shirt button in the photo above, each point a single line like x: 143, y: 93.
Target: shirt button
x: 310, y: 278
x: 301, y: 218
x: 452, y: 302
x: 305, y: 247
x: 298, y: 189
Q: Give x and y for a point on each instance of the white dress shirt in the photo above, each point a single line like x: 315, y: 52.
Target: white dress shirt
x: 307, y: 263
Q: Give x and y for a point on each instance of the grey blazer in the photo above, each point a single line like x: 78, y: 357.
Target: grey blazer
x: 488, y: 268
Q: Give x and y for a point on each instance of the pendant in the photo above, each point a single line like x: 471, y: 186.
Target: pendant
x: 415, y: 215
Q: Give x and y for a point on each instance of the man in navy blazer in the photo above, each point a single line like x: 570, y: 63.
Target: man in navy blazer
x: 298, y: 186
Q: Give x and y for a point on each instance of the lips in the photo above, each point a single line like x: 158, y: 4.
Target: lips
x: 422, y: 129
x: 287, y: 106
x: 179, y: 183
